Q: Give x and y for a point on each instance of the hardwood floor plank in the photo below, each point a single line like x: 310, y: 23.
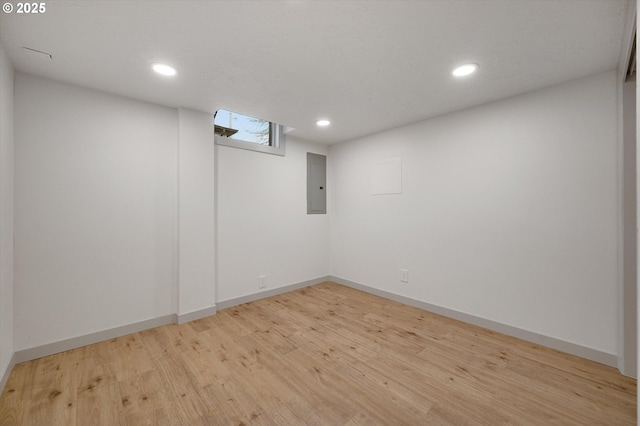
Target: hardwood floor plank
x: 128, y: 357
x: 17, y: 395
x: 325, y: 354
x: 98, y: 398
x: 142, y: 399
x: 182, y: 394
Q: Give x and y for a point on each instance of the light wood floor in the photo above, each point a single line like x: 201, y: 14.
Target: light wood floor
x: 326, y: 354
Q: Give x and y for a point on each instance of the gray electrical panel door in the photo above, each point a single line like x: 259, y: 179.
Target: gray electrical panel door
x: 316, y: 184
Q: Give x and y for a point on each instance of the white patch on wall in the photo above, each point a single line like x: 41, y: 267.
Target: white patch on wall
x: 386, y: 177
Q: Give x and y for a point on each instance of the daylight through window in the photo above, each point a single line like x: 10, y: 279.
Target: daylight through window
x: 246, y: 132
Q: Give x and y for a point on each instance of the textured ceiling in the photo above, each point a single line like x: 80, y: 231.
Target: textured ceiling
x: 365, y: 65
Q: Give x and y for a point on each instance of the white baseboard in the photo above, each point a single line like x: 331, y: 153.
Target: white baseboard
x: 77, y: 342
x: 539, y: 339
x: 7, y: 372
x: 196, y: 315
x: 268, y: 293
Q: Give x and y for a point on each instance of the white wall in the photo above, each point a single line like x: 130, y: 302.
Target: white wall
x: 508, y: 212
x: 263, y: 227
x: 95, y: 211
x: 6, y: 212
x: 629, y: 238
x: 196, y: 212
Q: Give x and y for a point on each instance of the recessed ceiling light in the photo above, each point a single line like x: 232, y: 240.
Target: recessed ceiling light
x: 465, y: 69
x: 164, y: 69
x: 323, y: 123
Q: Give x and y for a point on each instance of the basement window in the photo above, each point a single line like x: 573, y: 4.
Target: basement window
x: 245, y: 132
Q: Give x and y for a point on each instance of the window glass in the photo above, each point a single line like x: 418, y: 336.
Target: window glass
x: 243, y: 131
x: 243, y: 127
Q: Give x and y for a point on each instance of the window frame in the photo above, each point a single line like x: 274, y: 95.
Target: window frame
x: 276, y: 139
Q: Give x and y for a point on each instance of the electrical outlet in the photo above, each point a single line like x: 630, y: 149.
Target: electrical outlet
x: 262, y: 281
x: 404, y: 275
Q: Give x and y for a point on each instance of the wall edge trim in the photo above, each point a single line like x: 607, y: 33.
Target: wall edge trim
x: 530, y: 336
x: 223, y: 304
x: 196, y: 315
x: 89, y: 339
x: 7, y: 372
x: 77, y: 342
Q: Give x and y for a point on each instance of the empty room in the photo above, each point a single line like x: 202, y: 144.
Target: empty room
x: 355, y: 212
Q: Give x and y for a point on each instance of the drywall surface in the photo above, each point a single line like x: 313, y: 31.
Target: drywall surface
x: 6, y: 212
x: 196, y: 212
x: 263, y: 227
x: 95, y: 211
x: 630, y: 236
x: 508, y: 212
